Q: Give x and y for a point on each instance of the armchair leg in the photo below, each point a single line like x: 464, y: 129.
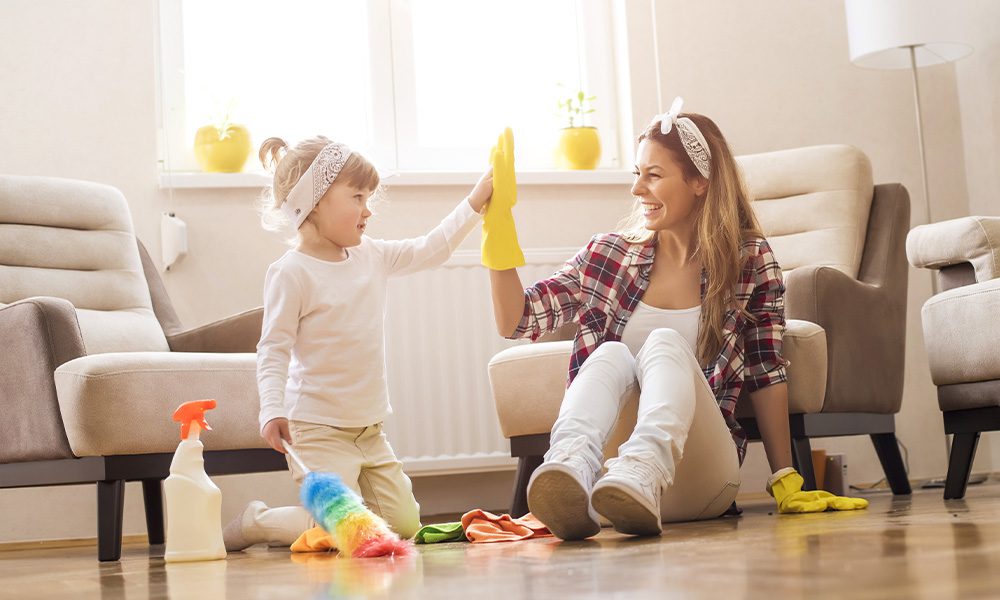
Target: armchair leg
x: 110, y: 505
x: 892, y: 463
x: 152, y: 496
x: 963, y: 450
x: 526, y: 465
x: 803, y: 462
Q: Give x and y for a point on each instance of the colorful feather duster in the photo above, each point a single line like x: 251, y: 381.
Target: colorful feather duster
x: 357, y: 531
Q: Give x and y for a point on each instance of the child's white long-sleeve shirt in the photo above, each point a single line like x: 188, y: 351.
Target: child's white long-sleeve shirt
x: 321, y: 356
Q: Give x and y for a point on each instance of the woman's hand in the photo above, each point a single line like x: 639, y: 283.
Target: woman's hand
x: 483, y: 191
x: 786, y: 487
x: 276, y: 430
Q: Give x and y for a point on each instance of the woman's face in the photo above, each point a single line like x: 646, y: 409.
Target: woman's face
x: 668, y: 200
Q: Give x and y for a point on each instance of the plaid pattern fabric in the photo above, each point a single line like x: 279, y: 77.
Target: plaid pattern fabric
x: 600, y: 287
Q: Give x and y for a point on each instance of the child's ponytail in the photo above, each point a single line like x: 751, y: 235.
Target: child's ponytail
x: 271, y: 152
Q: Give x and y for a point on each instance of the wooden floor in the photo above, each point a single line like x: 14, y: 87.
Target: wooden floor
x: 911, y: 547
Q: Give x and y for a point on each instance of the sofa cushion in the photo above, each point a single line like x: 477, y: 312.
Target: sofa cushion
x: 122, y: 402
x: 813, y: 204
x: 74, y: 240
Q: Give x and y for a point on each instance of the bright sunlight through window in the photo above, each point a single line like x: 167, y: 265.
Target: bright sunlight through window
x: 415, y: 84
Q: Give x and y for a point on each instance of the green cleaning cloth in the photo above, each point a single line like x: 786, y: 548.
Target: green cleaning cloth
x: 441, y: 532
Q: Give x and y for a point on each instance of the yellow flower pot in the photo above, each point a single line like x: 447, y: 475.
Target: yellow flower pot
x: 579, y: 148
x: 223, y: 151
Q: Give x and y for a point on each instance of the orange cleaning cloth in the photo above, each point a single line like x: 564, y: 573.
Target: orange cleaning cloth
x: 482, y: 526
x: 313, y: 540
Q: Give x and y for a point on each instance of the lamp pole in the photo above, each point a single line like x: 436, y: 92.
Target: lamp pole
x: 923, y: 157
x: 920, y: 131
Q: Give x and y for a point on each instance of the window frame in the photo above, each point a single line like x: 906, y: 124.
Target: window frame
x: 393, y: 88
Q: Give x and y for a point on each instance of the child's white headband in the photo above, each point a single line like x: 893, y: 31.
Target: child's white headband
x: 315, y: 182
x: 691, y: 138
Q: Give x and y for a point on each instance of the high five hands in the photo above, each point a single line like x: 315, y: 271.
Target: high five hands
x: 500, y: 249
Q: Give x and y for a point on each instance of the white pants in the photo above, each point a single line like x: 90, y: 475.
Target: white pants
x: 679, y: 429
x: 364, y: 460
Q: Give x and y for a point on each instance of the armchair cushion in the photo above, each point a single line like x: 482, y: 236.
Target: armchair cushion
x: 975, y: 240
x: 813, y: 204
x: 960, y: 333
x: 122, y: 402
x: 74, y: 240
x: 528, y: 384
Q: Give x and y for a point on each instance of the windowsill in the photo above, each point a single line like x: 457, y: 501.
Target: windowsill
x: 197, y: 180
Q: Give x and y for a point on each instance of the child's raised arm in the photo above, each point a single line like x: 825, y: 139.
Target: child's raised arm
x: 433, y: 249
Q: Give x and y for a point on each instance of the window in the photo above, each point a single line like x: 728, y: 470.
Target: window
x: 414, y: 84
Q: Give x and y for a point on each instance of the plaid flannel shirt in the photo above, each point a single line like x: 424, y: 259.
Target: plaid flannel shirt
x: 600, y: 287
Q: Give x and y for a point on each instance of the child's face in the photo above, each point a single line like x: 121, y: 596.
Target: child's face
x: 342, y: 214
x: 668, y: 200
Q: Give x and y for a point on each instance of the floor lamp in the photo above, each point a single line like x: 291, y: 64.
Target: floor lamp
x: 901, y: 34
x: 906, y: 34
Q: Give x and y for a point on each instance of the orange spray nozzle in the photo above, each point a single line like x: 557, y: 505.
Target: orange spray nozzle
x: 193, y: 411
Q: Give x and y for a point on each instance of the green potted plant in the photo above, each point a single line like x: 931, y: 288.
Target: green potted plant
x: 579, y: 145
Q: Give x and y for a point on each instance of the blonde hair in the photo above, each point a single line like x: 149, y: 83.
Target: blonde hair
x: 724, y: 220
x: 289, y: 164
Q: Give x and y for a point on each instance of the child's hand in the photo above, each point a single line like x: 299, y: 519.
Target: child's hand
x: 276, y: 430
x: 483, y: 191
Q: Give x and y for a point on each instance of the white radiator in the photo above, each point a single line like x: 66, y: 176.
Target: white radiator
x: 440, y: 335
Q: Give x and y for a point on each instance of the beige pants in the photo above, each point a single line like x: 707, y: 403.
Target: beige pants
x: 363, y: 458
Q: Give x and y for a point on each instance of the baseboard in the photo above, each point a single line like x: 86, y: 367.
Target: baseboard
x: 68, y: 543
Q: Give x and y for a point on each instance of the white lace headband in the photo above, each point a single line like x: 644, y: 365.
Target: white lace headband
x: 315, y: 182
x: 691, y: 138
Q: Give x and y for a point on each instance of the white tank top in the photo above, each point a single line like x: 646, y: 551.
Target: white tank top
x: 646, y: 318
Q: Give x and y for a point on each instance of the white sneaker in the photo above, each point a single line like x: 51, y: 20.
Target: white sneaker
x: 629, y: 496
x: 559, y: 497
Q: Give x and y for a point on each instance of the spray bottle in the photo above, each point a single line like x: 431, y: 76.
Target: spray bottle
x: 194, y: 503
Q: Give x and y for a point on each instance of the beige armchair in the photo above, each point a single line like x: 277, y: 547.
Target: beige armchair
x: 960, y: 331
x: 95, y: 359
x: 839, y: 240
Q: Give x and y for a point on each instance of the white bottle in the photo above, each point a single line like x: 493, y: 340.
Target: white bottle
x: 194, y: 502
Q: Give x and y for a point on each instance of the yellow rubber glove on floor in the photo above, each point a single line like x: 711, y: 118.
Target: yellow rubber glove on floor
x: 500, y: 250
x: 787, y: 492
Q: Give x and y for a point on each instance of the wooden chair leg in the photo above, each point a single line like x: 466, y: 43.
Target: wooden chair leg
x: 152, y: 496
x: 526, y: 465
x: 963, y: 450
x: 803, y: 462
x: 110, y: 507
x: 892, y: 463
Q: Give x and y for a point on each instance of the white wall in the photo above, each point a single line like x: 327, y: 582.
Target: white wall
x: 78, y: 93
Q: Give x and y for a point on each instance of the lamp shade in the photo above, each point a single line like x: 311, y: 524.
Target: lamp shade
x: 879, y: 32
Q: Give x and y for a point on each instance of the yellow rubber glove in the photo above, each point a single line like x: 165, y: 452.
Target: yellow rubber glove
x: 500, y: 250
x: 787, y: 492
